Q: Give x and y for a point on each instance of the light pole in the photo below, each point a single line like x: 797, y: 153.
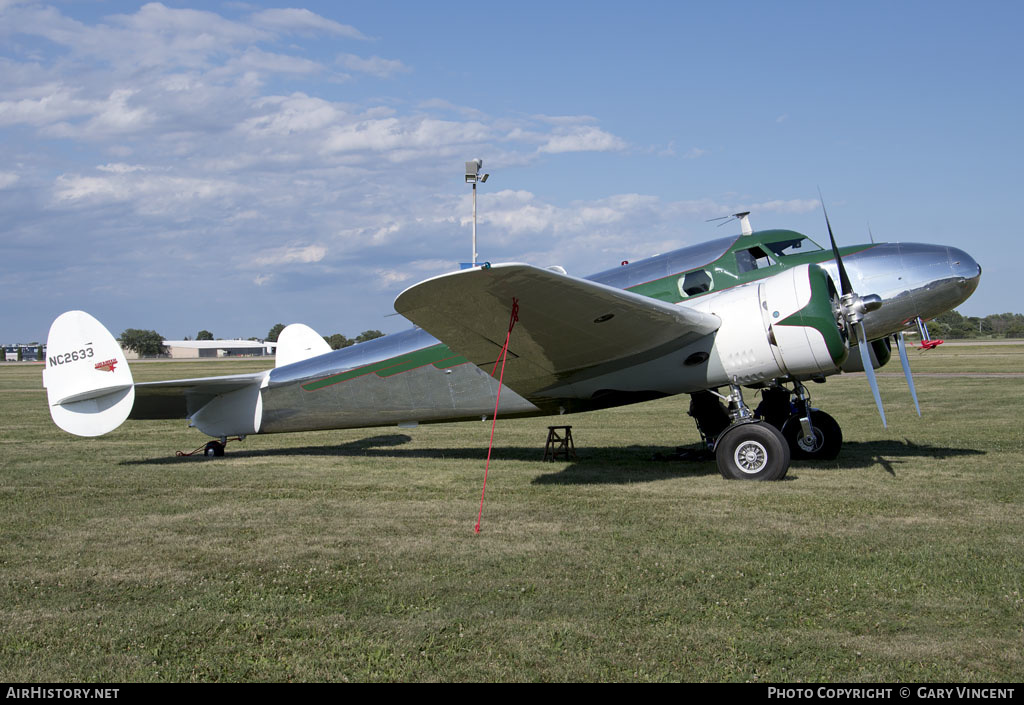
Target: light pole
x: 473, y: 176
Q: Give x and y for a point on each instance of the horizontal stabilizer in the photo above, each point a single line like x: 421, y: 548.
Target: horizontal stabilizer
x: 566, y: 325
x: 181, y: 398
x: 89, y: 387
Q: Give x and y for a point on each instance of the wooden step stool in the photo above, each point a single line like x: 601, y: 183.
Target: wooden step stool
x: 559, y: 445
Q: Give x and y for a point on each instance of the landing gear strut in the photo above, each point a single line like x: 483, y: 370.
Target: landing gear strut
x: 810, y: 433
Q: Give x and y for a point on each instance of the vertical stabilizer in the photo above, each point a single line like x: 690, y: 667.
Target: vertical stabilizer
x: 299, y: 342
x: 88, y: 384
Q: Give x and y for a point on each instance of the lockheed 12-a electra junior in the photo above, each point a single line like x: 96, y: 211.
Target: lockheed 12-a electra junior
x: 767, y: 310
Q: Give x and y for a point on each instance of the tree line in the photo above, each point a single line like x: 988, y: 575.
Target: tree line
x: 954, y: 326
x: 336, y: 341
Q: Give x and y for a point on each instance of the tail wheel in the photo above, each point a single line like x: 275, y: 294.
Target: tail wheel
x: 752, y: 451
x: 214, y: 449
x: 826, y: 442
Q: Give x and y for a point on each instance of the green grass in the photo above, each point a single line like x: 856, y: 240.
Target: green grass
x: 351, y: 555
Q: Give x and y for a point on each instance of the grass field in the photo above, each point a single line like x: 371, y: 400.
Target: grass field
x: 351, y: 555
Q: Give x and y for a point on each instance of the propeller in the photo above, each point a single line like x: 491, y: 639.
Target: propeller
x: 905, y: 361
x: 853, y: 307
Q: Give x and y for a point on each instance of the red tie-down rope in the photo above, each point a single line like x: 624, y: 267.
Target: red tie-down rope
x: 494, y: 421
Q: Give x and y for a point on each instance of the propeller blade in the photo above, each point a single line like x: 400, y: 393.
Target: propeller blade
x: 905, y: 361
x: 844, y: 279
x: 869, y: 369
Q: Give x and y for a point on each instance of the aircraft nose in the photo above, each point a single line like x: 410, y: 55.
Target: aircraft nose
x: 914, y: 280
x: 966, y: 268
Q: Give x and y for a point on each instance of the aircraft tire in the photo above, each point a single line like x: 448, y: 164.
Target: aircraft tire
x: 214, y: 449
x: 752, y: 451
x: 828, y: 437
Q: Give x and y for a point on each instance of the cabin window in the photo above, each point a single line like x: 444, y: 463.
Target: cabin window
x: 753, y: 258
x: 695, y: 282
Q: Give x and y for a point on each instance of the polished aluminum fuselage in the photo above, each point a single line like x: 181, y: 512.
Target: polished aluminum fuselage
x: 411, y: 377
x: 304, y: 396
x: 913, y: 279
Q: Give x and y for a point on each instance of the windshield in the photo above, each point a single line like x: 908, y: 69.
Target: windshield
x: 792, y: 246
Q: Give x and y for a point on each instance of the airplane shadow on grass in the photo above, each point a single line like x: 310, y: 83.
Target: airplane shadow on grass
x: 890, y: 454
x: 603, y: 465
x: 622, y: 465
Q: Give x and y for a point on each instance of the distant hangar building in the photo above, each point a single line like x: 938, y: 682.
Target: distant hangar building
x: 192, y: 349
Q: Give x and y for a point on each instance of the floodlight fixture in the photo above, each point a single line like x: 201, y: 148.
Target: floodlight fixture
x: 473, y: 176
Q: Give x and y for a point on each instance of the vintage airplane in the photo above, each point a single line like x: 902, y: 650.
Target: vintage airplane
x: 758, y: 310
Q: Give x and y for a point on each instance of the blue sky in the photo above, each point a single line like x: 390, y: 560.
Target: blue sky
x: 180, y: 166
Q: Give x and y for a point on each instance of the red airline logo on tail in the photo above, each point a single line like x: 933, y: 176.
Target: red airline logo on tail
x: 107, y: 366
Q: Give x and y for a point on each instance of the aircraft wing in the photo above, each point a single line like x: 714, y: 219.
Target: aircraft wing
x: 566, y: 325
x: 179, y: 398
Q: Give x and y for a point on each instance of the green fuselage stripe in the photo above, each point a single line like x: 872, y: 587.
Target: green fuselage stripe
x: 725, y: 275
x: 440, y: 356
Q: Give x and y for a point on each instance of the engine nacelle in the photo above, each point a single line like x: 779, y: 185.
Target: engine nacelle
x: 881, y: 353
x: 781, y: 326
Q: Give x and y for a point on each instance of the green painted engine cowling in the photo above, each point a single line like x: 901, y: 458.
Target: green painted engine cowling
x: 780, y: 326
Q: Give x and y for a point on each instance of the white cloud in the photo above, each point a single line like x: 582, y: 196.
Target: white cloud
x: 118, y: 168
x: 285, y: 115
x: 286, y: 255
x: 448, y: 106
x: 293, y: 20
x: 148, y: 194
x: 58, y: 103
x: 254, y: 59
x: 8, y: 179
x: 375, y: 66
x: 793, y: 205
x: 582, y: 139
x: 564, y: 119
x: 403, y: 133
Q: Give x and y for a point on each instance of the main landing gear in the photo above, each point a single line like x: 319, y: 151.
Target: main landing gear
x: 758, y: 445
x: 745, y: 447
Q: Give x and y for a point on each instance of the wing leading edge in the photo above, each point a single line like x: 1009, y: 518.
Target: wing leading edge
x: 566, y: 325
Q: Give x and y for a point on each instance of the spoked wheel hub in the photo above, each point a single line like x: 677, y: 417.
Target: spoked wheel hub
x: 752, y: 451
x: 750, y: 457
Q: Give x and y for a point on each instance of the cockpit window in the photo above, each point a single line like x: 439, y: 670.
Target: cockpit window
x: 695, y: 282
x: 753, y: 258
x: 792, y: 247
